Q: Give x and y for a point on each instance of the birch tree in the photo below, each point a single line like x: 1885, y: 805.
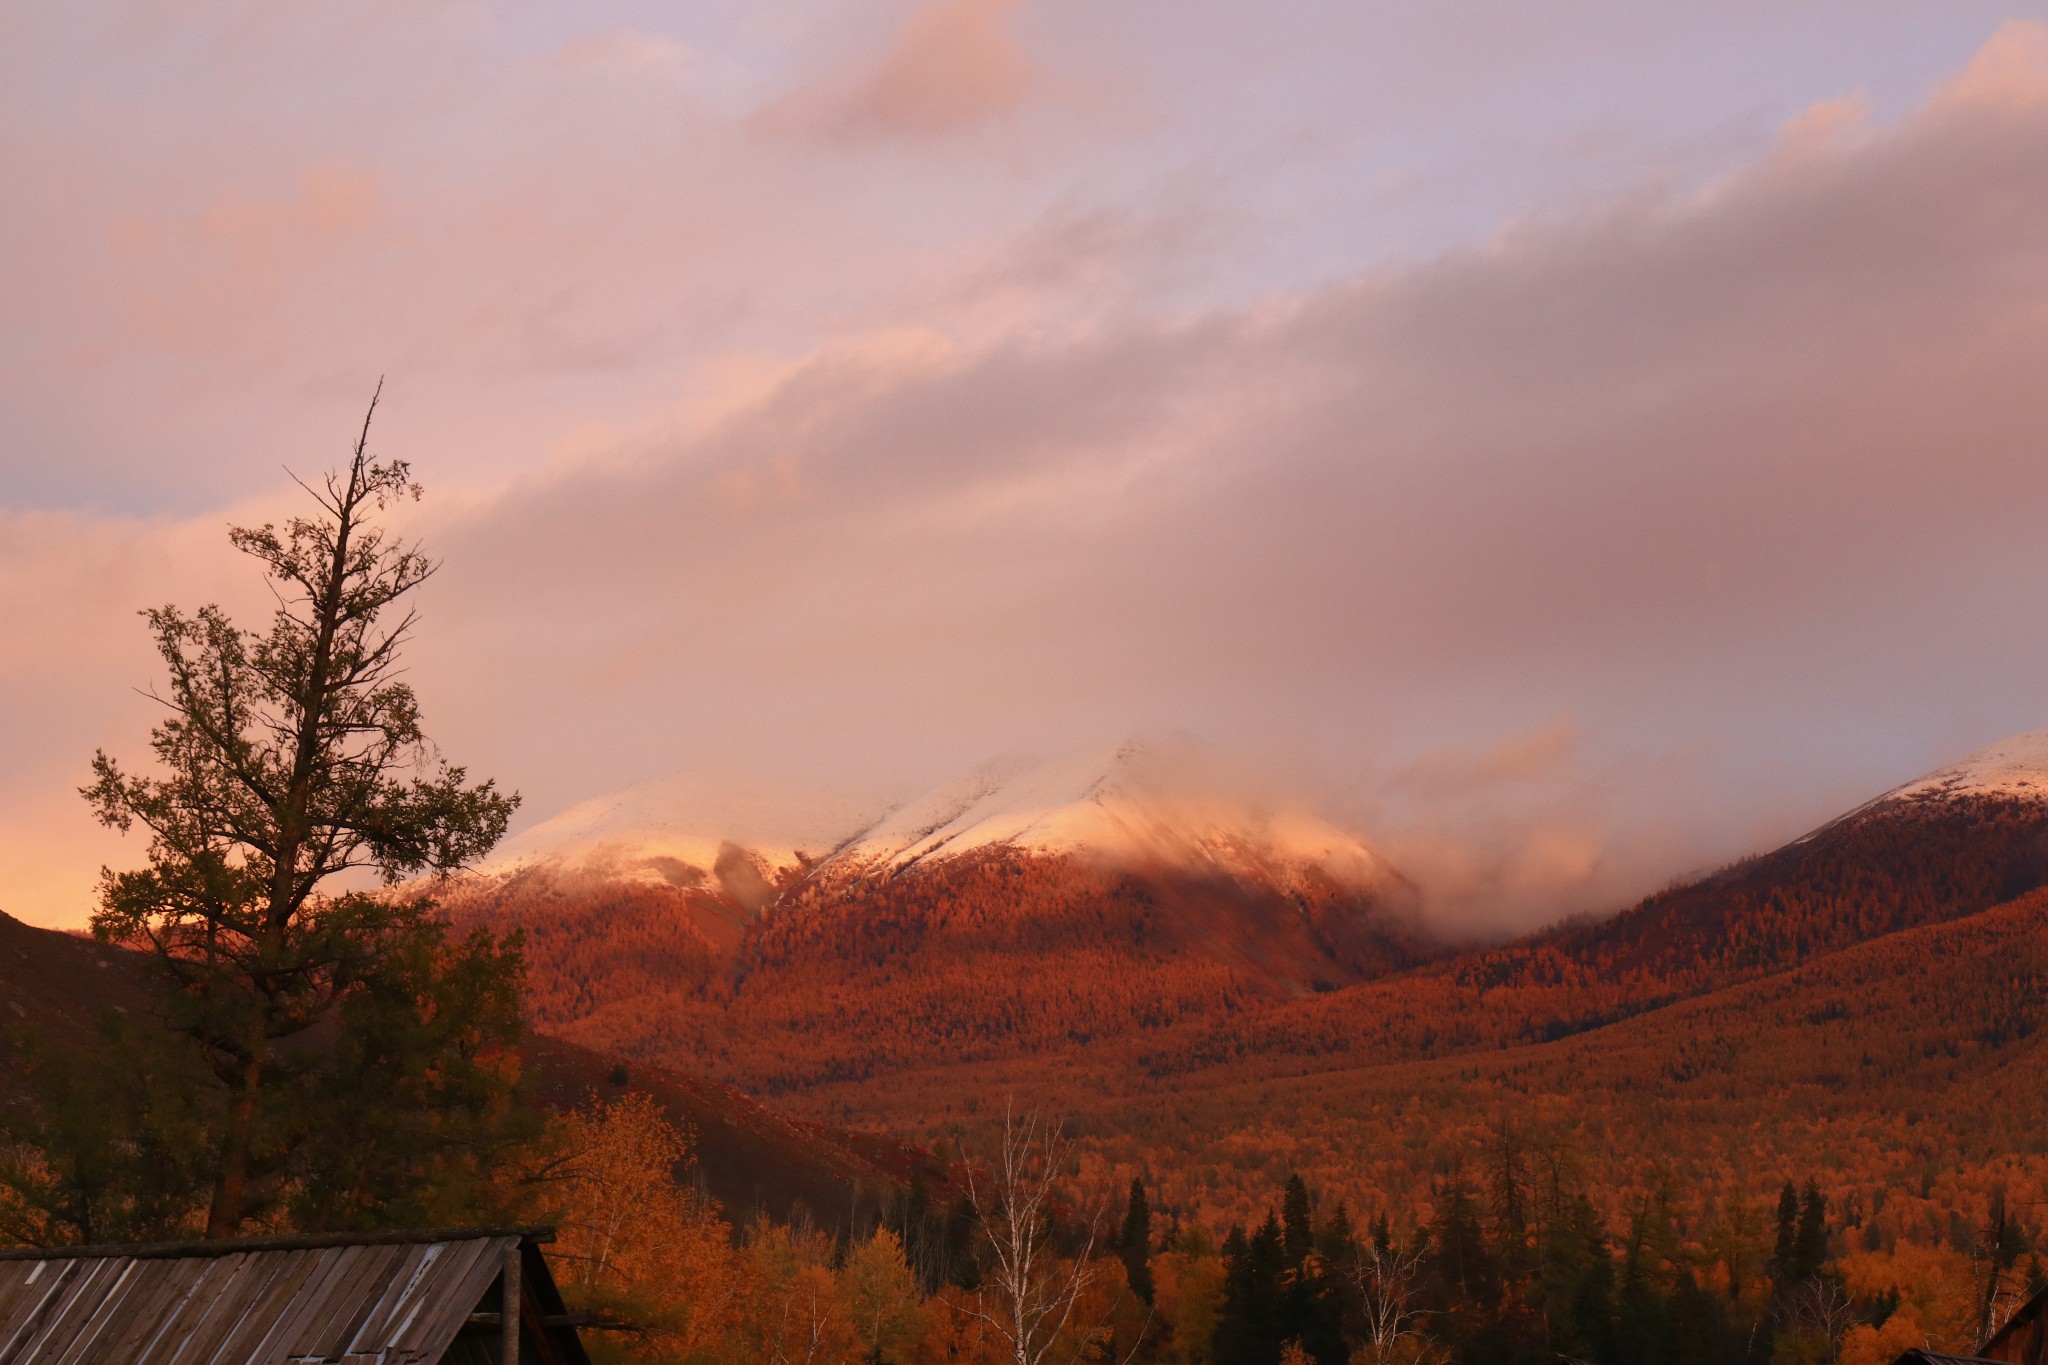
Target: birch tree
x: 1032, y: 1292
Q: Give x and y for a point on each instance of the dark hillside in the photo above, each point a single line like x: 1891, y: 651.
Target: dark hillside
x: 57, y: 985
x: 748, y: 1157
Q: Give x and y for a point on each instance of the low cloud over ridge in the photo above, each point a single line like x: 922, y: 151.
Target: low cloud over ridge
x: 1745, y: 482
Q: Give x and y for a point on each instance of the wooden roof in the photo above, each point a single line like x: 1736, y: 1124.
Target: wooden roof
x: 377, y: 1299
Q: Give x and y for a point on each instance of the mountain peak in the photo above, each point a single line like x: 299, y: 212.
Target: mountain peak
x: 1135, y: 804
x: 1138, y: 804
x: 2013, y: 767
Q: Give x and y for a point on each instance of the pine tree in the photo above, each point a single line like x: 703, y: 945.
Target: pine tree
x: 1810, y: 1239
x: 1463, y: 1265
x: 1249, y: 1326
x: 1575, y: 1283
x: 1134, y: 1242
x: 336, y: 1026
x: 1507, y: 1191
x: 1784, y: 1249
x: 1297, y: 1219
x: 1336, y: 1243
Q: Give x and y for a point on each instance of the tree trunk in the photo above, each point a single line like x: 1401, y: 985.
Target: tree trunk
x: 231, y: 1184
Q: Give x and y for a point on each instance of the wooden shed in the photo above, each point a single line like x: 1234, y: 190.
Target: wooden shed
x: 2024, y: 1338
x: 435, y: 1297
x: 2022, y: 1341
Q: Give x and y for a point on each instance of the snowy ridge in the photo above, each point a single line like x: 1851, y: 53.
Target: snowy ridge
x: 1136, y: 806
x: 2017, y: 766
x: 666, y: 829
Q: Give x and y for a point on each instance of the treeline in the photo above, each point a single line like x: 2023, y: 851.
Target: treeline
x: 1509, y: 1260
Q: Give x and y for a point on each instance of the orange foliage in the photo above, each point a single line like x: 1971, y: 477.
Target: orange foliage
x: 1849, y: 1005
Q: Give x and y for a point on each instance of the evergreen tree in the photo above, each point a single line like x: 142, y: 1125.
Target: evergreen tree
x: 1336, y: 1243
x: 1507, y: 1191
x: 1810, y: 1239
x: 1784, y: 1248
x: 356, y: 1062
x: 1575, y: 1283
x: 1310, y: 1307
x: 1642, y: 1328
x: 1701, y: 1333
x: 1463, y: 1265
x: 1134, y: 1242
x: 1233, y: 1339
x: 1250, y: 1324
x: 1297, y: 1221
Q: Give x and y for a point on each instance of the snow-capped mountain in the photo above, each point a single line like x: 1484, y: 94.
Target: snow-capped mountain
x: 747, y: 841
x: 2014, y: 767
x: 1136, y: 806
x: 1143, y: 856
x: 2011, y: 774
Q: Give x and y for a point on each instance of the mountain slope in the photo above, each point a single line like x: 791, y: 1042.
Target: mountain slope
x: 55, y: 986
x: 1941, y: 848
x: 1907, y: 1068
x: 1027, y: 909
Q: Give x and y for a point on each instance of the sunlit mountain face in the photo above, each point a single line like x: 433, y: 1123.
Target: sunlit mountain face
x: 1085, y: 934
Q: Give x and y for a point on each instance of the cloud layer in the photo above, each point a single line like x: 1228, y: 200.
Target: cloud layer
x: 1602, y: 545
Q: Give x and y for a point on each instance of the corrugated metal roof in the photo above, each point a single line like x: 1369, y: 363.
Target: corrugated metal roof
x: 383, y: 1300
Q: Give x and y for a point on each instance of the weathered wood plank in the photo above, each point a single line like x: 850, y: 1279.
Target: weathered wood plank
x: 373, y: 1333
x: 398, y: 1300
x: 279, y: 1242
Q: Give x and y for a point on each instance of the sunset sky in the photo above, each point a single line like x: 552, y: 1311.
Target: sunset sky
x: 1575, y: 443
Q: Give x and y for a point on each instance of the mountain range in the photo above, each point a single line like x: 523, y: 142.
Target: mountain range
x: 1170, y: 970
x: 1216, y: 991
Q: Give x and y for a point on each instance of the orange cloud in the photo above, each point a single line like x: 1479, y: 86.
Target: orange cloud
x: 954, y: 64
x: 1461, y: 769
x: 216, y: 279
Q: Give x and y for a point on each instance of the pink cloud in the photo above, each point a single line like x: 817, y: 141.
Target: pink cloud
x: 2009, y: 71
x: 953, y: 64
x: 1752, y: 477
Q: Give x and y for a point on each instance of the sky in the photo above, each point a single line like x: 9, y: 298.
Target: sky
x: 1573, y: 444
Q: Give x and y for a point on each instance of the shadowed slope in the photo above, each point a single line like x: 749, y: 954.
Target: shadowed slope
x: 55, y: 986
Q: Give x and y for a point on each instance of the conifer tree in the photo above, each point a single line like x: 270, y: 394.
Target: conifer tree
x: 1810, y: 1239
x: 340, y: 1024
x: 1134, y: 1242
x: 1249, y: 1326
x: 1336, y: 1243
x: 1784, y: 1248
x: 1297, y: 1221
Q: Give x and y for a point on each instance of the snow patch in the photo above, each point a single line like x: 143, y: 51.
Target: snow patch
x: 682, y: 829
x: 1137, y: 804
x: 2012, y: 767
